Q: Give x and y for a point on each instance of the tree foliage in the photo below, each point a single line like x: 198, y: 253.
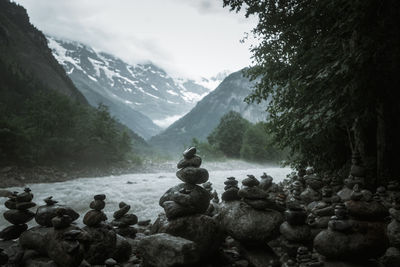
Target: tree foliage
x: 331, y: 70
x: 41, y: 126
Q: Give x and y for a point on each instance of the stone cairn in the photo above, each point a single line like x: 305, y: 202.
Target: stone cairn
x: 124, y: 221
x: 96, y: 216
x: 213, y: 207
x: 196, y: 234
x: 231, y: 189
x: 47, y: 212
x: 18, y: 214
x: 357, y: 229
x: 187, y: 198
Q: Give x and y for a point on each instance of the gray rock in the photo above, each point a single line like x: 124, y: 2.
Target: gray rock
x: 18, y: 216
x: 203, y: 230
x: 295, y: 233
x: 372, y: 210
x: 164, y: 250
x: 94, y: 218
x: 393, y: 233
x: 189, y: 153
x: 253, y: 193
x: 45, y: 213
x: 122, y: 211
x: 249, y: 225
x: 126, y: 220
x: 35, y: 239
x: 195, y: 162
x: 259, y: 256
x: 13, y: 231
x: 250, y: 181
x: 97, y: 205
x: 100, y: 197
x: 193, y: 175
x: 231, y: 194
x: 369, y: 239
x: 24, y: 205
x: 122, y: 250
x: 191, y: 198
x: 102, y: 244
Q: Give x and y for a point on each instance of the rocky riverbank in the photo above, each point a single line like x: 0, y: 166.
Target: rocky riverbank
x: 307, y: 220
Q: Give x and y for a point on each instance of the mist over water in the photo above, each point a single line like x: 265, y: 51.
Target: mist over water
x: 141, y: 190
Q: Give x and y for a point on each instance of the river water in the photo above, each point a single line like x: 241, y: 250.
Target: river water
x: 141, y: 190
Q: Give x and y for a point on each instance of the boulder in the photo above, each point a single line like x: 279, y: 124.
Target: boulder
x: 13, y: 231
x: 295, y: 233
x: 94, y: 217
x: 193, y: 175
x: 193, y: 162
x: 102, y: 244
x: 45, y: 213
x: 372, y: 210
x: 203, y: 230
x: 370, y: 239
x: 122, y: 250
x: 18, y: 216
x: 248, y: 225
x: 35, y: 239
x: 164, y: 250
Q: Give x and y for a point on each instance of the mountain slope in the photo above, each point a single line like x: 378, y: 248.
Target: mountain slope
x: 205, y: 116
x: 21, y: 44
x: 128, y: 89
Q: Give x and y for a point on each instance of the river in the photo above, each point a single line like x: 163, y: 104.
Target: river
x: 141, y: 190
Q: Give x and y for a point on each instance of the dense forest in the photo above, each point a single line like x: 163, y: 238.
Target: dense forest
x: 330, y: 69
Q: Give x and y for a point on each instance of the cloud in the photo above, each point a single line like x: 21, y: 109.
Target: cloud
x: 187, y: 38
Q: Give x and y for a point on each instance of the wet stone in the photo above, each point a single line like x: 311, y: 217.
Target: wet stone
x: 100, y: 197
x: 24, y: 205
x: 193, y: 175
x: 195, y: 162
x: 122, y: 211
x: 97, y: 205
x: 13, y: 231
x: 18, y: 216
x: 189, y: 153
x: 94, y: 218
x: 250, y: 181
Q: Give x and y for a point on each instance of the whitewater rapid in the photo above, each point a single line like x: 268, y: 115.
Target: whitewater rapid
x: 141, y: 191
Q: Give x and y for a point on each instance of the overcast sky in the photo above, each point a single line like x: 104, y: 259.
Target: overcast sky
x: 188, y: 38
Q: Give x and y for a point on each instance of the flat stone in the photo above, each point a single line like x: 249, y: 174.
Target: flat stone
x: 126, y: 220
x: 94, y: 217
x: 194, y: 197
x: 372, y: 210
x: 252, y: 193
x: 248, y: 225
x: 164, y: 250
x: 44, y: 214
x: 18, y: 216
x: 121, y: 212
x: 231, y: 194
x: 195, y: 162
x: 100, y: 197
x: 97, y: 205
x: 369, y: 239
x: 24, y: 205
x: 250, y: 181
x: 203, y: 230
x: 193, y: 175
x: 11, y: 204
x: 13, y: 231
x: 231, y: 181
x: 189, y: 153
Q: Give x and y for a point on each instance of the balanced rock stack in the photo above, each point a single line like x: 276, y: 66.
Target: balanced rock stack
x: 312, y: 192
x: 253, y: 220
x: 351, y: 237
x: 46, y: 213
x: 231, y: 189
x: 96, y: 216
x: 18, y: 214
x: 295, y: 232
x: 185, y: 206
x: 187, y: 198
x: 124, y: 221
x: 253, y: 195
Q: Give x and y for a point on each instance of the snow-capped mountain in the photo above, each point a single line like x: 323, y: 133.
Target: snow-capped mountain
x: 205, y: 116
x: 126, y: 88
